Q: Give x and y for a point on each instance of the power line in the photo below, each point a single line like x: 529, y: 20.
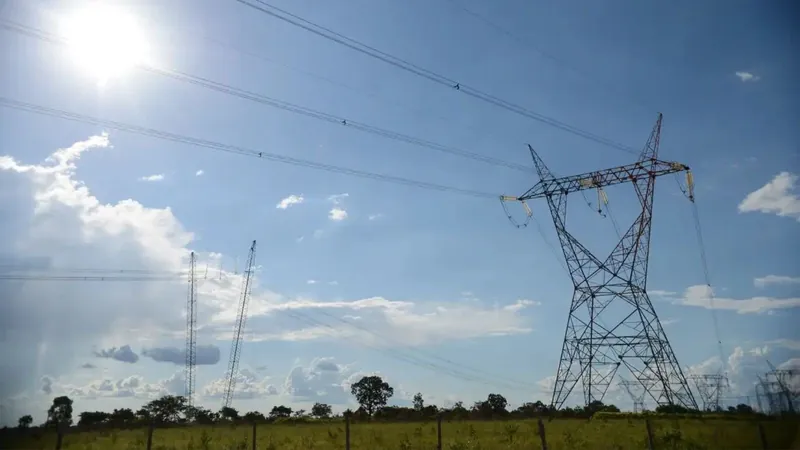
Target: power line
x: 402, y: 64
x: 216, y: 146
x: 285, y: 106
x: 560, y: 61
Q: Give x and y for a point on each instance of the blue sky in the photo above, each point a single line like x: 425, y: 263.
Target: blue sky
x: 724, y: 82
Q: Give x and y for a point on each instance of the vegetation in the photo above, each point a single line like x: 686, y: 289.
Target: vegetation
x: 486, y: 425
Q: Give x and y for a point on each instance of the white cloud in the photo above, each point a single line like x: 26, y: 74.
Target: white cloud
x: 747, y: 76
x: 289, y: 201
x: 199, y: 173
x: 156, y: 177
x: 775, y: 279
x: 661, y: 293
x: 776, y: 197
x: 337, y: 214
x: 130, y: 386
x: 311, y: 282
x: 669, y: 321
x: 701, y: 295
x: 790, y: 344
x: 375, y: 216
x: 248, y: 386
x: 51, y: 220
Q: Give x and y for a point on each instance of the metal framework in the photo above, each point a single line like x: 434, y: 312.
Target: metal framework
x: 710, y: 387
x: 632, y: 387
x: 778, y: 392
x: 191, y: 333
x: 241, y: 318
x: 612, y: 322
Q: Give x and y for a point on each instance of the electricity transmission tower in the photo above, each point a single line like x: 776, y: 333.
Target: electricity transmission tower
x: 191, y: 332
x: 241, y: 318
x: 611, y: 321
x: 710, y: 388
x: 632, y: 387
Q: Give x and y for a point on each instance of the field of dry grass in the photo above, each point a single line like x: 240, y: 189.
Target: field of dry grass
x: 561, y: 434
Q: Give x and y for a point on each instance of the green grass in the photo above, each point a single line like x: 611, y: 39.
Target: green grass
x: 561, y: 434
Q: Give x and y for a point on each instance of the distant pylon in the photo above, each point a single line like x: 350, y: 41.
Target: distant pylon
x: 710, y: 388
x: 637, y: 396
x: 241, y: 319
x: 191, y: 333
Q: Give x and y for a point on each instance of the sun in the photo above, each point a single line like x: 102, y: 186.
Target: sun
x: 104, y: 41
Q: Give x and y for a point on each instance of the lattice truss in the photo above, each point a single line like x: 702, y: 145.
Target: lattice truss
x: 612, y: 324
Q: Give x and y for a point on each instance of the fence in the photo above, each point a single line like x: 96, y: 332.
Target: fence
x: 653, y: 434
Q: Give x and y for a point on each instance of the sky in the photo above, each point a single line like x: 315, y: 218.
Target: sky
x: 433, y: 290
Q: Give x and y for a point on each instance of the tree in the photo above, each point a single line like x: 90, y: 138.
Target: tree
x: 229, y: 413
x: 280, y: 412
x: 371, y: 393
x: 419, y: 403
x: 166, y: 409
x: 25, y: 421
x: 254, y: 416
x: 321, y: 410
x: 122, y: 416
x: 60, y: 412
x: 90, y: 418
x: 300, y: 413
x: 497, y: 403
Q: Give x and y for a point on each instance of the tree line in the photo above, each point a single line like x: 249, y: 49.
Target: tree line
x: 372, y: 394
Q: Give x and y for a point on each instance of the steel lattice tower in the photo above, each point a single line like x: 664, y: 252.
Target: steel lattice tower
x: 632, y: 387
x: 241, y: 318
x: 612, y: 322
x: 191, y: 332
x: 710, y: 387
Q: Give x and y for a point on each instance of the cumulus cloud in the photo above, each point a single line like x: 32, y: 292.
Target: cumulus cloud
x: 775, y: 279
x: 155, y: 177
x: 776, y: 197
x: 124, y: 354
x: 337, y: 214
x: 703, y: 296
x: 248, y: 386
x: 747, y: 77
x: 206, y: 355
x: 199, y: 173
x: 130, y: 386
x: 289, y: 201
x: 51, y: 218
x: 322, y: 380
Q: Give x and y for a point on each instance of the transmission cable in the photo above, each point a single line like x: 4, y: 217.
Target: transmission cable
x: 216, y: 146
x: 283, y: 105
x: 421, y: 351
x: 360, y: 47
x: 404, y: 356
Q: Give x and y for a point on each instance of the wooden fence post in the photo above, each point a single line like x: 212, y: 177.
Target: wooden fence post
x: 59, y: 435
x: 650, y: 444
x: 150, y: 434
x: 254, y: 434
x: 763, y: 435
x: 439, y: 432
x: 541, y: 433
x: 347, y: 432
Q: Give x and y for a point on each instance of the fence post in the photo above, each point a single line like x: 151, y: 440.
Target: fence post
x: 59, y: 435
x: 763, y: 435
x: 254, y: 434
x: 150, y: 434
x: 541, y: 433
x: 347, y: 432
x: 650, y: 444
x: 439, y: 432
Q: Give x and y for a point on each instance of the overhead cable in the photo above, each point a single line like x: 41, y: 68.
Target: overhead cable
x: 402, y: 64
x: 216, y: 146
x: 285, y: 106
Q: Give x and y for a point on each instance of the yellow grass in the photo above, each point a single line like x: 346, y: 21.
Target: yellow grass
x: 561, y: 434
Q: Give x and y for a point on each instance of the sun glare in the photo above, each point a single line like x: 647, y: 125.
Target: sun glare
x: 104, y: 41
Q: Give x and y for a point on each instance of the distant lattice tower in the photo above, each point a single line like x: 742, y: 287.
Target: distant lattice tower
x: 191, y: 333
x: 612, y: 323
x: 710, y: 387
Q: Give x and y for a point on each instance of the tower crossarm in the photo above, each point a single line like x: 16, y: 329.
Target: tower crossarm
x: 628, y: 173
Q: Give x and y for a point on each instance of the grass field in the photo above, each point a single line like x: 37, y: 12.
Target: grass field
x: 473, y: 435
